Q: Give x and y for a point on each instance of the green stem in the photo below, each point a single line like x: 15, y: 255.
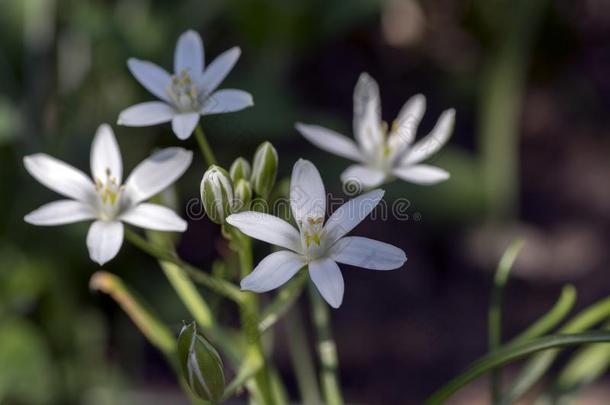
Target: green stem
x: 189, y: 295
x: 146, y: 321
x: 495, y: 310
x: 509, y: 354
x: 503, y: 82
x: 327, y: 349
x: 249, y: 318
x: 215, y: 284
x: 206, y: 150
x: 283, y: 302
x: 300, y: 356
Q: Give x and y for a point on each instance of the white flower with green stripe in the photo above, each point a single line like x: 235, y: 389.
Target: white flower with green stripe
x: 315, y: 243
x: 104, y: 197
x: 385, y: 152
x: 187, y: 94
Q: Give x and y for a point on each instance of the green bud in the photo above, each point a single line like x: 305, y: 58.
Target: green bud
x: 243, y: 195
x: 201, y: 364
x: 217, y: 193
x: 264, y: 169
x: 240, y: 169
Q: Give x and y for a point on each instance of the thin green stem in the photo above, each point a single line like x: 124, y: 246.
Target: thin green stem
x: 206, y: 150
x: 495, y: 311
x: 249, y: 317
x: 301, y: 358
x: 509, y: 354
x: 283, y: 302
x: 327, y: 349
x: 143, y: 317
x: 189, y: 295
x: 215, y: 284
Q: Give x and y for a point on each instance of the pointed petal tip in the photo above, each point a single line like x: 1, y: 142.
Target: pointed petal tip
x: 364, y: 76
x: 420, y: 99
x: 28, y: 219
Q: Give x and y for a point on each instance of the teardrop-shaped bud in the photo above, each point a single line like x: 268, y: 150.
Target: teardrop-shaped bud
x: 243, y: 195
x: 217, y: 193
x: 201, y: 364
x: 240, y: 169
x: 264, y: 169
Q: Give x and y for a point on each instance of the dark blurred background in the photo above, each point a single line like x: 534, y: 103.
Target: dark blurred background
x: 530, y: 156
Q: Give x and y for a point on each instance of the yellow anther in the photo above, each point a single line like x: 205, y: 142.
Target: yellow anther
x: 394, y: 126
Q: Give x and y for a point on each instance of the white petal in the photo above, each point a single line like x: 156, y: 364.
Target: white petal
x: 350, y: 214
x: 156, y: 173
x: 184, y: 124
x: 154, y: 78
x: 227, y: 100
x: 307, y: 194
x: 363, y: 177
x: 330, y: 141
x: 267, y: 228
x: 146, y: 114
x: 405, y: 127
x: 432, y: 142
x: 216, y: 72
x: 367, y: 114
x: 273, y: 271
x: 153, y: 216
x: 106, y: 155
x: 367, y: 253
x: 60, y: 177
x: 188, y: 55
x: 327, y: 277
x: 60, y: 212
x: 421, y: 174
x: 104, y: 240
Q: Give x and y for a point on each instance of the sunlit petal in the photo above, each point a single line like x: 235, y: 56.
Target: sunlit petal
x: 106, y: 155
x: 60, y: 212
x: 267, y: 228
x: 327, y: 278
x: 104, y: 240
x: 273, y: 271
x: 367, y: 253
x: 153, y: 216
x: 156, y: 173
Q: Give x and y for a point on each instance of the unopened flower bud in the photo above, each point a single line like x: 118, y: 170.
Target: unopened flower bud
x: 240, y: 169
x: 264, y: 169
x: 201, y: 364
x: 217, y: 193
x: 243, y: 195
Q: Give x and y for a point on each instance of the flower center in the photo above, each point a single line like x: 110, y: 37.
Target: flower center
x: 109, y: 192
x: 183, y: 92
x: 312, y: 233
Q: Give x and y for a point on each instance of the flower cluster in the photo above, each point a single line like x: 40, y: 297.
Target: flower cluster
x: 317, y: 243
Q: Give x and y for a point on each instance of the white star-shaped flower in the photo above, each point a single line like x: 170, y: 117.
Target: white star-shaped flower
x: 189, y: 92
x: 383, y: 153
x: 105, y: 199
x: 315, y: 244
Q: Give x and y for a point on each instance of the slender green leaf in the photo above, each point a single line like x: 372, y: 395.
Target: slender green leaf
x: 495, y: 309
x: 510, y: 353
x: 536, y: 367
x: 552, y: 318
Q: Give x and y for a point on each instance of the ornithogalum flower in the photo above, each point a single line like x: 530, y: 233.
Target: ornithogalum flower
x: 105, y: 198
x: 315, y: 244
x: 384, y: 152
x: 189, y: 92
